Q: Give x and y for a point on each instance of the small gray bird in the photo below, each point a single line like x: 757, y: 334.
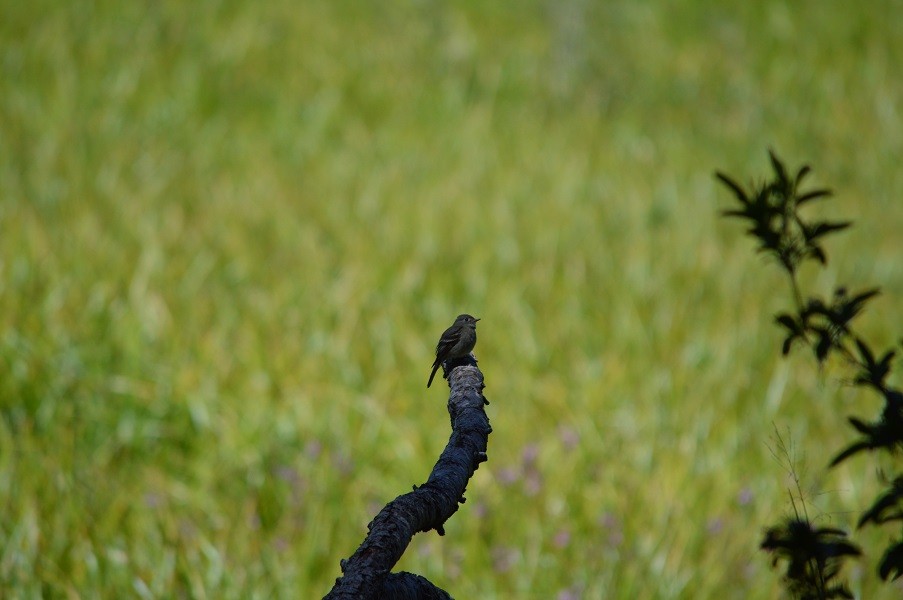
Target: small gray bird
x: 457, y: 341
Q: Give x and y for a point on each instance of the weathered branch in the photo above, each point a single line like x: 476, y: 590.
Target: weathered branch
x: 367, y: 573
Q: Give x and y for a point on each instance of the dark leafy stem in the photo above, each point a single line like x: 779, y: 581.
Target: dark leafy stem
x: 772, y: 210
x: 774, y: 219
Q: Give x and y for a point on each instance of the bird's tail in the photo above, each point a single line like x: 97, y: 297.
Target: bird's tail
x: 433, y: 374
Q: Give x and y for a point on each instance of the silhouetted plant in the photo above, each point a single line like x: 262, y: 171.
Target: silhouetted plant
x: 772, y: 211
x: 814, y: 556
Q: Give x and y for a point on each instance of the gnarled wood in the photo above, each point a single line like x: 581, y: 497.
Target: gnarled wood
x: 367, y: 573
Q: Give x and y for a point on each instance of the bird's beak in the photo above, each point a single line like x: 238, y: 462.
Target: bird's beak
x: 475, y: 320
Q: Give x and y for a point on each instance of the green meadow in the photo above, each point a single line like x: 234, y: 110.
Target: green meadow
x: 231, y: 234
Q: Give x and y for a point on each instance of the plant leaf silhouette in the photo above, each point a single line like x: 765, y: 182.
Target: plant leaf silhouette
x: 892, y: 562
x: 888, y: 506
x: 873, y: 372
x: 813, y: 195
x: 779, y: 170
x: 735, y: 187
x: 804, y: 170
x: 795, y: 329
x: 886, y: 433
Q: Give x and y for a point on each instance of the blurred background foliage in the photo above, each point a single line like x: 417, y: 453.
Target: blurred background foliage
x: 231, y: 233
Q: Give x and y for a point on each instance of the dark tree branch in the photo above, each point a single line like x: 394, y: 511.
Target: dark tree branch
x: 367, y: 573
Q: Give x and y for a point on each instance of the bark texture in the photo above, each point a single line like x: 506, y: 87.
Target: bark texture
x: 367, y: 574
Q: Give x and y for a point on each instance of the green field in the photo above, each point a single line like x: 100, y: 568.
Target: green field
x: 232, y: 232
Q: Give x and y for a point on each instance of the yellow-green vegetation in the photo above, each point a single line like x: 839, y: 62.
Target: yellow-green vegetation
x: 231, y: 233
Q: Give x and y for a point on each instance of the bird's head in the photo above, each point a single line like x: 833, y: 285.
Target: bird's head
x: 466, y: 320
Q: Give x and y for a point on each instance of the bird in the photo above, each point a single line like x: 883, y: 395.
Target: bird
x: 456, y: 341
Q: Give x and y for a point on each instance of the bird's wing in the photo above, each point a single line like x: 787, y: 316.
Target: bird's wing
x: 449, y: 338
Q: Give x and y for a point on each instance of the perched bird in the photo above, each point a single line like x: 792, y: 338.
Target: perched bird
x: 457, y: 341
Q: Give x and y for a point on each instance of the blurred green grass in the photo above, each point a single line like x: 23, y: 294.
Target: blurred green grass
x: 231, y: 233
